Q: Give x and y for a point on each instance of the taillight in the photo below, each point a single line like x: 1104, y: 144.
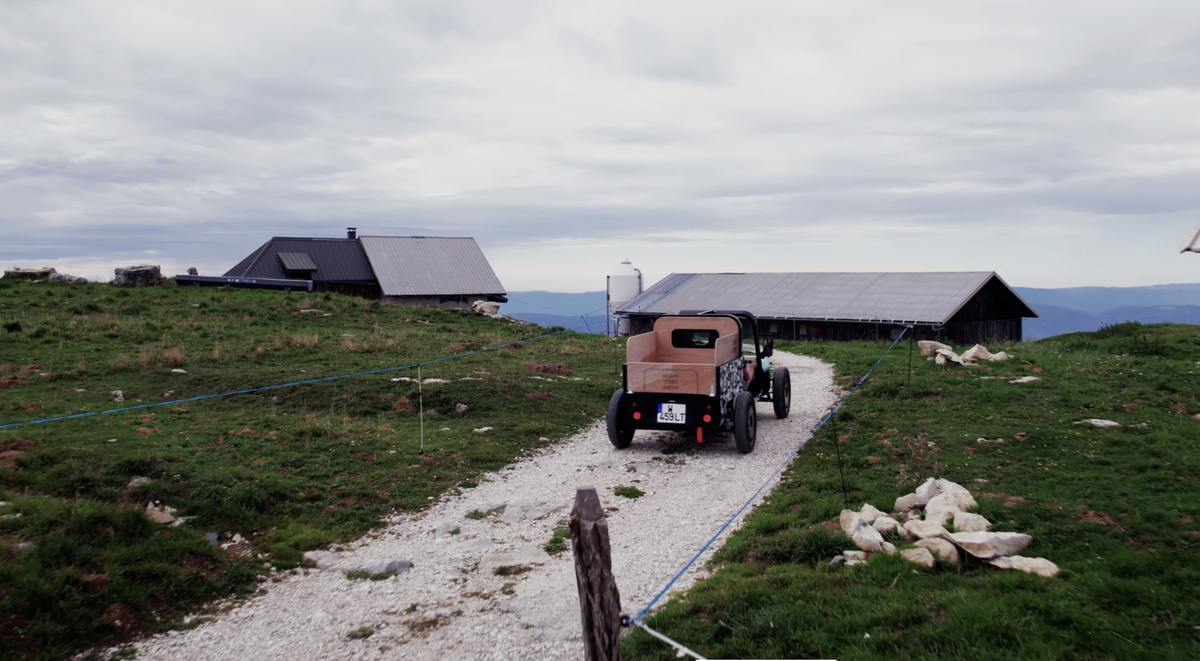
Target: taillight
x: 637, y: 415
x: 707, y: 418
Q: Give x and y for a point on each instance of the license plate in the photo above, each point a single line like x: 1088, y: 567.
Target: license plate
x: 672, y: 414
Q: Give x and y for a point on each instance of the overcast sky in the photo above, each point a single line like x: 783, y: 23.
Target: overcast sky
x: 1057, y: 143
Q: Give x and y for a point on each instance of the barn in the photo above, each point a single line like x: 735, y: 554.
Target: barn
x: 958, y: 307
x: 412, y: 270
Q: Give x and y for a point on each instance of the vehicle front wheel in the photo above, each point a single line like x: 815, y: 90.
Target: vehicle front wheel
x: 782, y: 397
x: 745, y: 422
x: 620, y: 433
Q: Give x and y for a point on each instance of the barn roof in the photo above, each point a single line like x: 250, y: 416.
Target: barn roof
x: 333, y: 260
x: 430, y: 266
x: 925, y: 298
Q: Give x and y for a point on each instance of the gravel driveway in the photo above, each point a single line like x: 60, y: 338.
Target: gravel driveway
x: 451, y: 604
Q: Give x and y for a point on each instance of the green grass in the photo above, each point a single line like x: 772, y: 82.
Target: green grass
x: 289, y: 469
x: 628, y: 492
x: 1116, y: 509
x: 559, y: 541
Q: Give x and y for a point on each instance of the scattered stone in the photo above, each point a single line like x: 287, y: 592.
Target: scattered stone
x: 984, y: 440
x: 910, y: 502
x: 212, y: 537
x: 482, y: 430
x: 447, y: 529
x: 1098, y: 422
x: 117, y: 395
x: 1025, y: 379
x: 193, y: 271
x: 988, y: 545
x: 921, y: 556
x: 323, y: 560
x: 837, y: 560
x: 925, y: 529
x: 889, y: 547
x: 944, y: 550
x: 1039, y: 566
x: 178, y: 371
x: 968, y: 522
x: 854, y: 557
x: 461, y: 409
x: 398, y: 566
x: 158, y: 515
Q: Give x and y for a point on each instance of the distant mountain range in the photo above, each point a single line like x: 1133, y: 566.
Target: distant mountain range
x: 1068, y: 310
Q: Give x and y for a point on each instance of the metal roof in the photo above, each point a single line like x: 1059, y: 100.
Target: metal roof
x: 927, y: 298
x: 297, y: 261
x: 335, y: 260
x: 430, y: 266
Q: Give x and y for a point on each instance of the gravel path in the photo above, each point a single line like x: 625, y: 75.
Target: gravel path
x: 451, y: 605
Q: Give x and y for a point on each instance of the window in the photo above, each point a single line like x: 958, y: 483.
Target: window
x: 686, y: 338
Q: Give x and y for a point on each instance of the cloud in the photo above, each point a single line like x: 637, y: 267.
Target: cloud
x: 199, y: 130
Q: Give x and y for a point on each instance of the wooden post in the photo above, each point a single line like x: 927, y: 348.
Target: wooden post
x: 599, y: 600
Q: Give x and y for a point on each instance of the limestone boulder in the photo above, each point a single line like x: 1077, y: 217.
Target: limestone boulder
x: 988, y: 545
x: 930, y: 348
x: 867, y: 538
x: 928, y: 490
x: 68, y: 278
x: 945, y: 505
x: 485, y: 307
x: 854, y: 558
x: 869, y: 513
x: 968, y: 522
x: 1039, y: 566
x: 944, y: 550
x: 925, y: 529
x: 908, y: 502
x: 920, y: 556
x: 886, y: 525
x: 140, y: 275
x: 850, y: 521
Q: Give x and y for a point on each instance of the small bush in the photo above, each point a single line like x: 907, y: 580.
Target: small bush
x: 628, y: 492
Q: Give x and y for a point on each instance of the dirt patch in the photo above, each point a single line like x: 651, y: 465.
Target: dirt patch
x: 125, y: 619
x: 10, y: 381
x: 147, y: 430
x: 367, y: 456
x: 13, y: 450
x: 543, y: 396
x: 1098, y: 518
x: 561, y: 369
x: 1009, y: 501
x: 26, y: 369
x: 464, y: 346
x: 403, y: 404
x: 29, y: 407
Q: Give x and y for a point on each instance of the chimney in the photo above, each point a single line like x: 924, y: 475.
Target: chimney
x: 351, y: 232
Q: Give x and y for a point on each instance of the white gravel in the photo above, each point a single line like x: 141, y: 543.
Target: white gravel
x: 451, y: 605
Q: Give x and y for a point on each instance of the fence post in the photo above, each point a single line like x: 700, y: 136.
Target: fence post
x: 599, y: 600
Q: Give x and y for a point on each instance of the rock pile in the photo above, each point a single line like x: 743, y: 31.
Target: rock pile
x: 43, y: 273
x: 944, y: 503
x: 944, y: 353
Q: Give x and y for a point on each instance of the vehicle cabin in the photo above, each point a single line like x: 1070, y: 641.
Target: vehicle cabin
x: 681, y: 355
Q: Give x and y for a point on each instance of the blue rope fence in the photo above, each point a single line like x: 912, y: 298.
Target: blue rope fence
x: 247, y: 391
x: 812, y: 432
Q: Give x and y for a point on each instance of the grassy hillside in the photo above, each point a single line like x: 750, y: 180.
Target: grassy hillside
x: 1116, y: 509
x: 286, y: 469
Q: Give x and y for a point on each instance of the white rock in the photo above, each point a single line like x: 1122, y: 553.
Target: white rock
x: 886, y: 525
x: 867, y: 538
x: 1039, y: 566
x: 178, y: 371
x: 1025, y: 379
x: 946, y: 504
x: 925, y: 529
x: 854, y: 555
x: 968, y: 522
x: 850, y: 521
x: 909, y: 502
x: 1097, y: 422
x: 929, y: 347
x: 117, y: 395
x: 977, y: 352
x: 928, y: 490
x: 943, y: 549
x: 323, y: 559
x: 869, y: 513
x: 988, y: 545
x: 889, y: 547
x: 919, y: 556
x: 482, y: 430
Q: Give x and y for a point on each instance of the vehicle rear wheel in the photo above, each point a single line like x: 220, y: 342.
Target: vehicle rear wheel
x: 620, y: 433
x: 782, y: 396
x: 745, y: 422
